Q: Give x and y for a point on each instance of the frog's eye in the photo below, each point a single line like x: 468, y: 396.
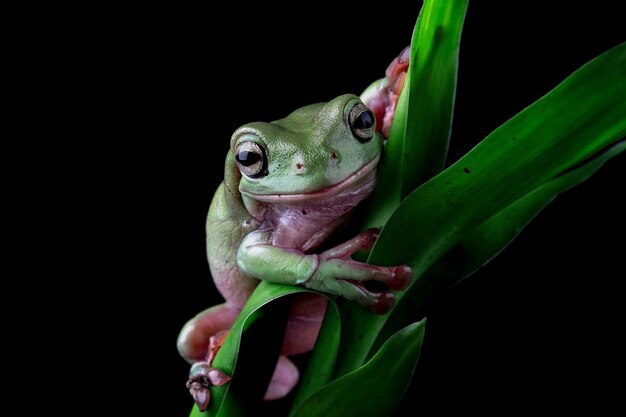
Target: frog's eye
x: 362, y: 122
x: 250, y: 158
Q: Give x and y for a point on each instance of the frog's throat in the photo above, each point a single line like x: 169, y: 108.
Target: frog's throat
x: 353, y: 181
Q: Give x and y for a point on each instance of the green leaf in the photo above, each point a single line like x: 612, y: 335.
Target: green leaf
x: 432, y: 73
x: 418, y: 143
x: 262, y: 318
x: 374, y: 389
x: 580, y: 118
x: 417, y: 146
x: 485, y: 242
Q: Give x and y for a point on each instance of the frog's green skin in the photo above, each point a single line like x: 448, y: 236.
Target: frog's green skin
x: 317, y: 164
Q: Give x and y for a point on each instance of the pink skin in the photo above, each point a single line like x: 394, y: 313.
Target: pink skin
x: 302, y: 233
x: 383, y: 104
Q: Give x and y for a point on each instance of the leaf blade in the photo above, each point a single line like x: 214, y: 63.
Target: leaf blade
x: 359, y: 393
x: 485, y: 242
x: 527, y: 151
x: 433, y: 75
x: 580, y: 117
x: 421, y: 127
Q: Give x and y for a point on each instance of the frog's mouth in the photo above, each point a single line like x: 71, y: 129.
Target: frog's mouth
x: 360, y: 180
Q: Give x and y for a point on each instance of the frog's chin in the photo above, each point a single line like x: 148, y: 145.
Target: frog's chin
x: 362, y: 180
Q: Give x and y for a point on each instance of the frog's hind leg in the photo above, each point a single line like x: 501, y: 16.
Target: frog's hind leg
x: 193, y: 340
x: 198, y: 343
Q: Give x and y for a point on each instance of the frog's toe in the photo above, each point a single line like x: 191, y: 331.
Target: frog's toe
x: 373, y: 286
x: 374, y: 295
x: 382, y: 303
x: 380, y: 278
x: 200, y: 394
x: 400, y: 278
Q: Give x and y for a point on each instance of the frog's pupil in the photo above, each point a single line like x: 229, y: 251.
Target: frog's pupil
x: 365, y: 120
x: 247, y: 158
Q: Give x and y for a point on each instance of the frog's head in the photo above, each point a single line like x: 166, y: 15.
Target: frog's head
x: 317, y: 152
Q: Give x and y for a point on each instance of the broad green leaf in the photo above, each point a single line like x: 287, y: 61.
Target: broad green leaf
x: 485, y: 242
x: 266, y: 302
x: 418, y: 144
x: 375, y: 388
x: 432, y: 74
x: 581, y: 117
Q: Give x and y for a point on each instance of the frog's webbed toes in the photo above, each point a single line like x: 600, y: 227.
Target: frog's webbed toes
x: 201, y: 377
x: 369, y: 285
x: 363, y: 241
x: 375, y: 292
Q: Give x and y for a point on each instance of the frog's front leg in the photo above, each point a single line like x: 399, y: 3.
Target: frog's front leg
x: 331, y: 272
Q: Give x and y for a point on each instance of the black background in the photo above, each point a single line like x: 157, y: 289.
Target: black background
x: 539, y: 328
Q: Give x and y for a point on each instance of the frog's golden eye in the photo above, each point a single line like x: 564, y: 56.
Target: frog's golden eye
x: 251, y: 159
x: 362, y: 122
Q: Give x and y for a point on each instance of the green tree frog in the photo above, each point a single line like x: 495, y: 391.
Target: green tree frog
x: 288, y: 186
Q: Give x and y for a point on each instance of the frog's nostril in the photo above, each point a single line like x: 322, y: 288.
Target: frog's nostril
x: 299, y: 168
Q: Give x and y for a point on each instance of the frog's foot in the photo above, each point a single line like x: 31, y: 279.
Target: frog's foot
x: 285, y: 377
x: 202, y: 375
x: 382, y: 97
x: 369, y: 285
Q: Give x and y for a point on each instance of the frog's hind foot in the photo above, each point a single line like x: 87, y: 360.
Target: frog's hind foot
x: 202, y: 375
x: 285, y: 377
